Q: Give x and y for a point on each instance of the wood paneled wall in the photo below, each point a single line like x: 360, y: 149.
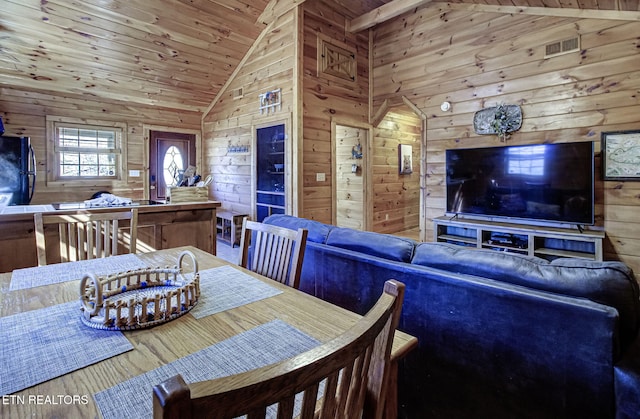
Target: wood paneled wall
x: 24, y: 113
x: 269, y: 66
x: 326, y: 100
x: 477, y: 60
x: 272, y: 64
x: 350, y: 185
x: 396, y: 197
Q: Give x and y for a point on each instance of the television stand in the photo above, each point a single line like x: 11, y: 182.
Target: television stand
x: 541, y: 241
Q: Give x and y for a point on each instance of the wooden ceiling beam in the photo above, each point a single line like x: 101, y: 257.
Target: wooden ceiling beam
x: 398, y: 7
x: 382, y: 14
x: 277, y: 8
x: 547, y: 11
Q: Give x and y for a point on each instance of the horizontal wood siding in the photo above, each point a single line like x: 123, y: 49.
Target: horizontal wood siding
x: 24, y: 113
x: 230, y: 122
x: 326, y: 100
x: 478, y: 60
x: 396, y: 198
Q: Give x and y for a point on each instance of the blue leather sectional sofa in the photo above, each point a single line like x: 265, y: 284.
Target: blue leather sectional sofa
x: 500, y: 335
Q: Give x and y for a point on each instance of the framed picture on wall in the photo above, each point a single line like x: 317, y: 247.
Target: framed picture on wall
x: 405, y: 159
x: 621, y: 155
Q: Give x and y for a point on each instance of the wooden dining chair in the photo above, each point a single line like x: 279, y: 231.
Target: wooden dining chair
x: 273, y: 251
x: 85, y: 236
x: 346, y: 377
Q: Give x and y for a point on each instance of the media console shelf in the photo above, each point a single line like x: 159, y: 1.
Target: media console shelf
x: 541, y: 241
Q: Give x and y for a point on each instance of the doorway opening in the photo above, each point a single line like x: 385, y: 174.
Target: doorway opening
x: 351, y: 156
x: 398, y: 173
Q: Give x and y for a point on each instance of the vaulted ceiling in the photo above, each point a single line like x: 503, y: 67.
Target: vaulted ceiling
x: 180, y: 53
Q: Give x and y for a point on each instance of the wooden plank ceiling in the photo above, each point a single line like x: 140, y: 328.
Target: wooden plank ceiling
x: 169, y: 53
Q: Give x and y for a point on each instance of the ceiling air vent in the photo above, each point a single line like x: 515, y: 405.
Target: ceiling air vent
x: 562, y: 47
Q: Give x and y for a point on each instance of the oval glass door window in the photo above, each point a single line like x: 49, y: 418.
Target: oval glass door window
x: 173, y: 166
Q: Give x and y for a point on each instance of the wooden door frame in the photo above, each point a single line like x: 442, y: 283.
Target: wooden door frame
x: 423, y: 166
x: 380, y: 114
x: 146, y: 129
x: 291, y: 171
x: 367, y: 221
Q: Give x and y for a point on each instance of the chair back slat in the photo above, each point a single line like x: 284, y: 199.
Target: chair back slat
x: 346, y: 377
x: 85, y: 236
x: 66, y: 239
x: 273, y: 251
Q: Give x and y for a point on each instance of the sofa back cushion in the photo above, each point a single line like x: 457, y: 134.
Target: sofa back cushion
x: 609, y: 283
x: 318, y: 232
x: 373, y: 244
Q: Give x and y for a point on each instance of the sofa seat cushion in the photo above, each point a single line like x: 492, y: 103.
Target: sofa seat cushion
x: 317, y: 232
x: 374, y: 244
x: 608, y: 283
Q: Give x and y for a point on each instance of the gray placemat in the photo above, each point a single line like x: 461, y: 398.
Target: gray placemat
x: 39, y: 345
x: 263, y: 345
x: 69, y: 271
x: 227, y: 287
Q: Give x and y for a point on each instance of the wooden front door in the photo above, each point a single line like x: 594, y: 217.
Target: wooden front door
x: 170, y: 153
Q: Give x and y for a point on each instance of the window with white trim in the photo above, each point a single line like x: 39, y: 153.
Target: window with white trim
x: 83, y: 152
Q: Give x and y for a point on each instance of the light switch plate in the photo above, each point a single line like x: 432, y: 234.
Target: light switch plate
x: 320, y: 177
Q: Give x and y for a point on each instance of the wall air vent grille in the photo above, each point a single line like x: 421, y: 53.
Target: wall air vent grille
x: 562, y: 47
x: 238, y: 93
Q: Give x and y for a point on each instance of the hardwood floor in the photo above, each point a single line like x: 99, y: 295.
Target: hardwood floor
x: 413, y: 233
x: 226, y: 252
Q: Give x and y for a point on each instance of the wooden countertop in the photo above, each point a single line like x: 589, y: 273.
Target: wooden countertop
x: 160, y: 226
x: 25, y: 212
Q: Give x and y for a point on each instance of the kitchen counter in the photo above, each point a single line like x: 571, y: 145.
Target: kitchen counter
x: 25, y: 209
x: 160, y: 226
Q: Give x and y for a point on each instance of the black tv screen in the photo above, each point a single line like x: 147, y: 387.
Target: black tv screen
x: 545, y: 182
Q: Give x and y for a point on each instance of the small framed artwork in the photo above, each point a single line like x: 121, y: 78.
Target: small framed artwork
x: 621, y: 155
x: 405, y: 159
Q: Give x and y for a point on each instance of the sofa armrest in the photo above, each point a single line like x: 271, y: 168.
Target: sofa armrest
x: 627, y: 382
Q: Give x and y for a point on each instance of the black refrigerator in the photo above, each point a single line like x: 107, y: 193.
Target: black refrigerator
x: 17, y: 171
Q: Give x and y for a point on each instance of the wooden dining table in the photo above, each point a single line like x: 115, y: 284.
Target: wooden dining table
x: 171, y: 341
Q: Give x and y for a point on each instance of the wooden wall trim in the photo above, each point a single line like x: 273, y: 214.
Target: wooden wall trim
x: 297, y: 122
x: 382, y: 14
x: 380, y: 113
x: 544, y: 11
x: 398, y: 7
x: 414, y: 108
x: 277, y: 8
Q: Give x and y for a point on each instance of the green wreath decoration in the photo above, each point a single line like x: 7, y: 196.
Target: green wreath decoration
x: 504, y: 122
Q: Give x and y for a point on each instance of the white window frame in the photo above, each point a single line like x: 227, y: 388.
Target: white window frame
x: 54, y: 150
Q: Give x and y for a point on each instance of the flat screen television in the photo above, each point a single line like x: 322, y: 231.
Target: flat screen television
x: 541, y: 182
